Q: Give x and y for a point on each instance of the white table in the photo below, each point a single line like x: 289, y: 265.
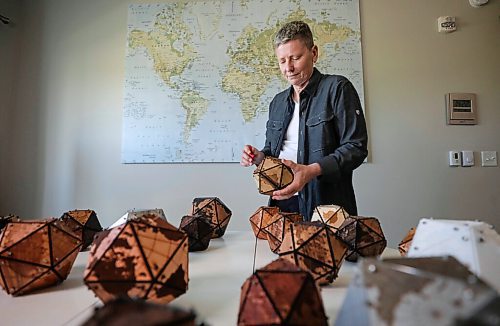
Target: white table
x: 215, y: 279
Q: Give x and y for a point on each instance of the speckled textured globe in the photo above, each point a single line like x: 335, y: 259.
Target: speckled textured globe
x: 143, y: 258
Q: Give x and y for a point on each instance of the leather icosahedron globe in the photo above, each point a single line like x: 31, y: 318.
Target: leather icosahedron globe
x: 278, y: 226
x: 363, y: 236
x: 143, y: 258
x: 36, y: 254
x: 281, y: 294
x: 199, y: 231
x: 271, y: 174
x: 333, y: 215
x: 315, y: 247
x: 261, y: 219
x: 215, y: 211
x: 4, y: 220
x: 84, y: 222
x: 405, y: 244
x: 126, y: 311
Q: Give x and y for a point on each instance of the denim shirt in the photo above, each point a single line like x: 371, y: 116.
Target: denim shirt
x: 332, y: 133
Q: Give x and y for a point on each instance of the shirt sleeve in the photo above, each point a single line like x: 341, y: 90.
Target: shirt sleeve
x: 267, y: 146
x: 351, y: 129
x: 271, y: 132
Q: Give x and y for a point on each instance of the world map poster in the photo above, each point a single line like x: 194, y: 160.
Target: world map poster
x: 199, y: 75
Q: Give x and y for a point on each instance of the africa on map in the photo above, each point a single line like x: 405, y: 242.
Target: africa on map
x: 199, y: 75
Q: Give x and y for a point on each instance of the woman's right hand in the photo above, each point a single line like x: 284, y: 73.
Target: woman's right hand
x: 251, y: 155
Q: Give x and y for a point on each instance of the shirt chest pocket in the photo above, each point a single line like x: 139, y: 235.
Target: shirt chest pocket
x: 321, y: 131
x: 273, y: 133
x: 275, y: 125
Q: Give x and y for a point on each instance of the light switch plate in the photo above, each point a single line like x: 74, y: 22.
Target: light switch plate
x: 489, y: 158
x: 467, y: 158
x: 454, y: 158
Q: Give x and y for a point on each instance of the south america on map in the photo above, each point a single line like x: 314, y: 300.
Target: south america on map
x: 199, y: 75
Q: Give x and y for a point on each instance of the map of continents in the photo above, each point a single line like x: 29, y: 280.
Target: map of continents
x: 199, y: 75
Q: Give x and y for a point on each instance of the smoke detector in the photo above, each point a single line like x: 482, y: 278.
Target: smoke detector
x: 477, y: 3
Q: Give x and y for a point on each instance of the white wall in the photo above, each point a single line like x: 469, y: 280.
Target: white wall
x: 9, y: 42
x: 408, y: 68
x: 64, y: 133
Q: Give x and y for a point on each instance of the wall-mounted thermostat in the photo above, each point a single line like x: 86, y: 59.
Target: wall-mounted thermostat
x: 461, y: 109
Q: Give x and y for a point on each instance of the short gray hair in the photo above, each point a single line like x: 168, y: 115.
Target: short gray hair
x: 295, y: 30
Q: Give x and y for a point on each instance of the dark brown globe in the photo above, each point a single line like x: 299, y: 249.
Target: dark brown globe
x: 281, y: 294
x: 363, y: 236
x: 84, y: 222
x: 215, y: 211
x: 199, y: 231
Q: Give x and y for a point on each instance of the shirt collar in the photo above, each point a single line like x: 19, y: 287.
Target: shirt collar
x: 311, y: 86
